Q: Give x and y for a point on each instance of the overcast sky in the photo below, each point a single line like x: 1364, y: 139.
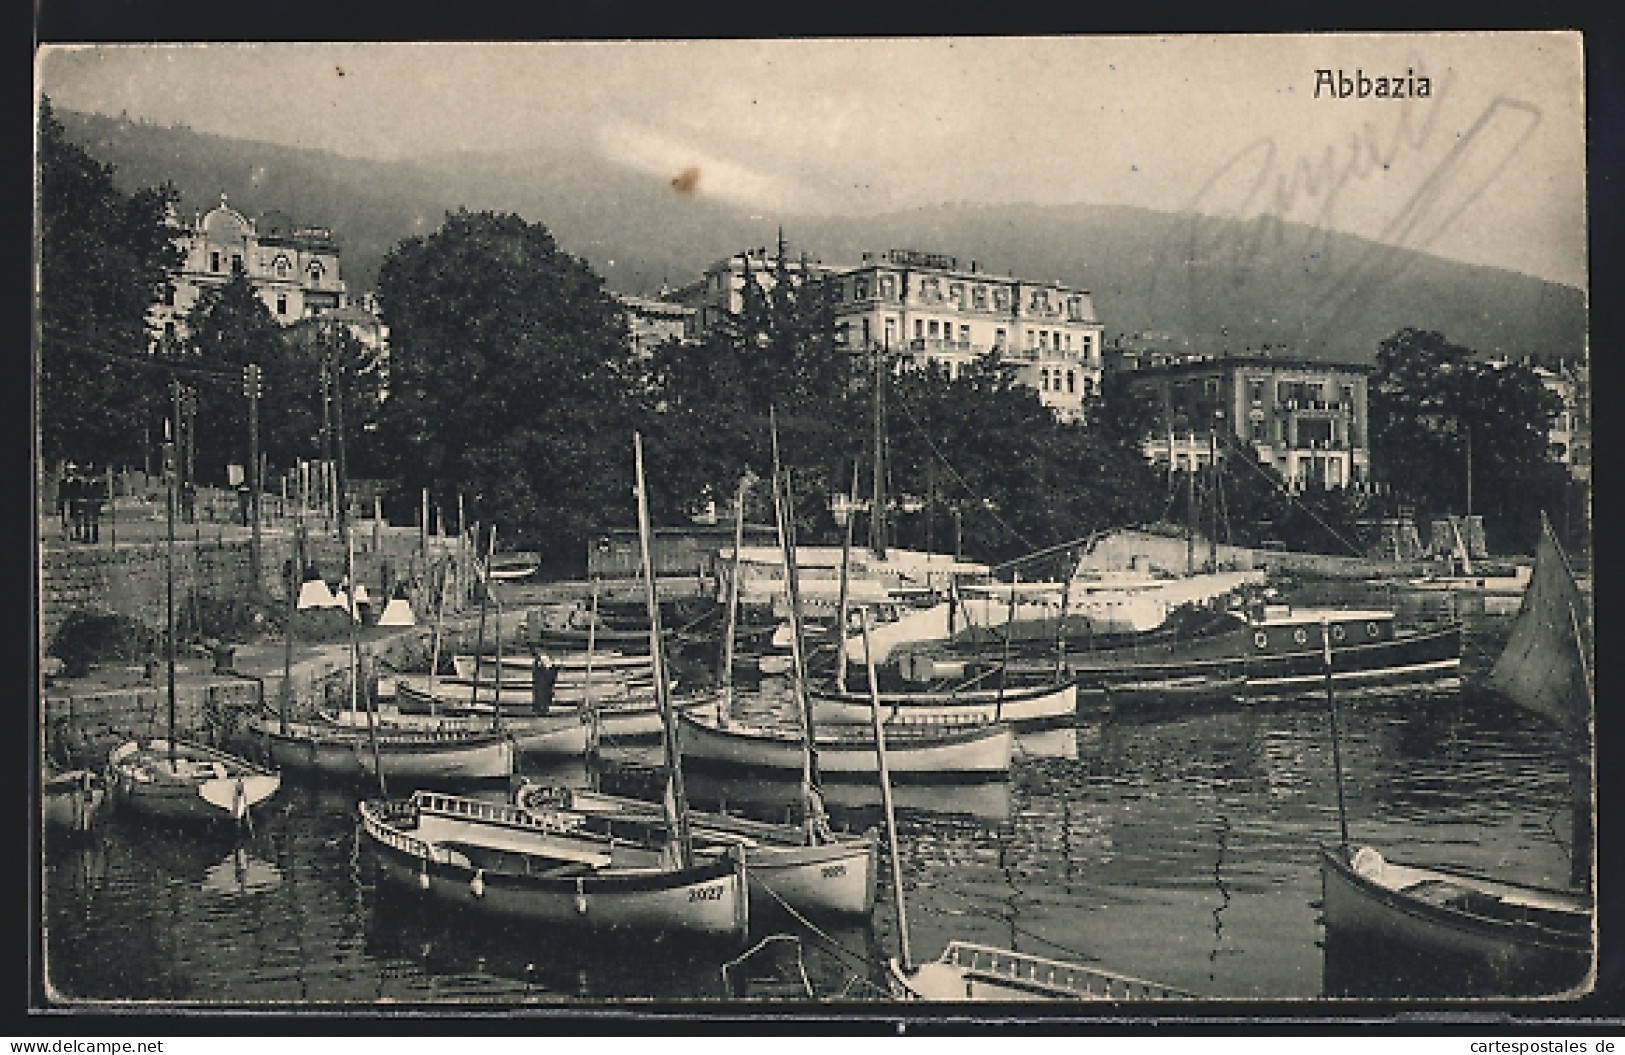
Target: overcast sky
x: 1490, y: 169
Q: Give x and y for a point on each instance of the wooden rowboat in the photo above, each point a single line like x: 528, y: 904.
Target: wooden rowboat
x: 919, y: 750
x: 341, y: 745
x: 967, y: 971
x: 1478, y: 936
x: 500, y: 860
x: 1046, y: 703
x: 834, y: 877
x: 1522, y: 939
x: 187, y: 781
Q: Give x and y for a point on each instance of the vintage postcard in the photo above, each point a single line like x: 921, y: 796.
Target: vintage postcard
x: 779, y: 524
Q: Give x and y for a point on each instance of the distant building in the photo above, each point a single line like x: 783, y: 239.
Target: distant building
x: 651, y: 323
x: 1306, y: 418
x: 294, y: 268
x: 1570, y: 434
x: 925, y: 308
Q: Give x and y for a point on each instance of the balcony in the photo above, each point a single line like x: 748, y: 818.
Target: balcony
x: 942, y: 345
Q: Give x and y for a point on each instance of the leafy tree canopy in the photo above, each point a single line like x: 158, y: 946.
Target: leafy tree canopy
x: 105, y: 259
x: 510, y: 380
x: 1435, y: 406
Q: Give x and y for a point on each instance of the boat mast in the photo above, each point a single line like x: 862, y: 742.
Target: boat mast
x: 491, y: 589
x: 594, y: 732
x: 1060, y: 623
x: 1213, y: 500
x: 296, y: 583
x: 885, y: 792
x: 484, y: 578
x: 1190, y: 510
x: 846, y: 573
x: 783, y: 514
x: 675, y: 799
x: 434, y: 651
x: 169, y: 568
x: 1337, y: 750
x: 725, y: 697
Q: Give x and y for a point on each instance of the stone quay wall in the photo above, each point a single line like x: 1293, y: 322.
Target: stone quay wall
x: 130, y: 580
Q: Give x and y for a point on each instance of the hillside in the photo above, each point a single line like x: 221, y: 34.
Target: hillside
x: 1206, y: 284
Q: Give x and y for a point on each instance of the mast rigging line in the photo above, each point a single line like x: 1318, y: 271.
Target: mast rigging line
x: 985, y: 502
x: 1281, y: 487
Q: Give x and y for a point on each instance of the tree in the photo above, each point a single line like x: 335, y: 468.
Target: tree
x: 511, y: 380
x: 1434, y: 406
x: 105, y: 259
x: 775, y: 358
x: 229, y: 327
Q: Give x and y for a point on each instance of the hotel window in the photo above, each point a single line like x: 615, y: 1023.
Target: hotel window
x: 1074, y: 308
x: 214, y: 261
x: 1346, y: 394
x: 998, y: 337
x: 1088, y: 386
x: 866, y: 333
x: 1001, y: 299
x: 282, y: 304
x: 1043, y: 379
x: 1071, y: 381
x: 891, y: 332
x: 1069, y: 342
x: 236, y: 262
x: 888, y: 287
x: 845, y: 333
x: 1255, y: 392
x: 1032, y: 338
x: 931, y: 329
x: 978, y: 298
x: 1259, y: 428
x: 956, y: 293
x: 281, y: 267
x: 964, y: 333
x: 919, y: 329
x: 860, y: 289
x: 169, y: 296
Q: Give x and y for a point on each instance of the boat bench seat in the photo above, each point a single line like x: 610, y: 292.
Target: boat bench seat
x: 514, y: 862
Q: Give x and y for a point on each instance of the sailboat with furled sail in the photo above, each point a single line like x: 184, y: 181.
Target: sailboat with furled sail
x: 1493, y: 937
x: 551, y: 867
x: 806, y: 867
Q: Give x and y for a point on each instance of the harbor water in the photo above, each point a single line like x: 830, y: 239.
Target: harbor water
x: 1176, y: 847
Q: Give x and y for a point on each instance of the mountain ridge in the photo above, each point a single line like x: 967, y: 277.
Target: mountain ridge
x: 1204, y: 284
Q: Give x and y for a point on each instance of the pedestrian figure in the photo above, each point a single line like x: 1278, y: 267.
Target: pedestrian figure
x: 64, y: 496
x: 94, y: 491
x: 76, y: 504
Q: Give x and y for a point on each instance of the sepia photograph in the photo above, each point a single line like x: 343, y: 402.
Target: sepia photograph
x: 759, y: 525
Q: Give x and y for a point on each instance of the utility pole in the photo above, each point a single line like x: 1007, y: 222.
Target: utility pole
x: 343, y: 482
x: 327, y: 434
x: 877, y: 510
x: 251, y: 389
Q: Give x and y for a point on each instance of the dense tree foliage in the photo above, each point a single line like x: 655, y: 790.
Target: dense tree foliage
x: 1435, y: 406
x: 775, y: 359
x: 511, y: 381
x: 105, y: 258
x: 230, y: 327
x: 983, y: 450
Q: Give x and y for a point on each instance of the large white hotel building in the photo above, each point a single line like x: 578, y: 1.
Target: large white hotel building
x: 925, y: 307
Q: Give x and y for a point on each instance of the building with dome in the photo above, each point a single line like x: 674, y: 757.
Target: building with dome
x: 293, y: 267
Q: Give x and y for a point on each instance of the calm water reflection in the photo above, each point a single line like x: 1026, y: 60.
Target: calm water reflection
x: 1181, y: 849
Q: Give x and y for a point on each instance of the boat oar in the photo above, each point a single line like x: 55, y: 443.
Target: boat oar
x: 885, y: 792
